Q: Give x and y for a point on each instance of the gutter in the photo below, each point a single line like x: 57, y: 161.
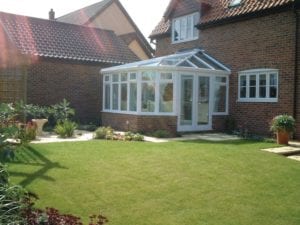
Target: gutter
x: 296, y: 6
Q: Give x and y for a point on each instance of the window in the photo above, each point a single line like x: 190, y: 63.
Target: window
x: 220, y: 95
x: 148, y: 91
x: 183, y: 28
x: 107, y: 92
x: 166, y: 93
x: 234, y: 3
x: 143, y: 93
x: 258, y: 85
x: 132, y: 93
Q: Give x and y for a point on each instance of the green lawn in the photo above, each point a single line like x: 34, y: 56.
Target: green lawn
x: 176, y: 183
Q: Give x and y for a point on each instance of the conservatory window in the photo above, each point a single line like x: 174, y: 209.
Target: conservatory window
x: 184, y: 29
x: 220, y: 95
x: 133, y: 93
x: 258, y: 85
x: 107, y: 92
x: 124, y: 89
x: 148, y: 91
x: 166, y: 93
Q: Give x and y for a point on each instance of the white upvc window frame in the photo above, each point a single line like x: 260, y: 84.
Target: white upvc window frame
x: 225, y: 84
x: 257, y: 73
x: 108, y: 80
x: 181, y: 24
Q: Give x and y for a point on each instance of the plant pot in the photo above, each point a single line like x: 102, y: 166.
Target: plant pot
x: 283, y: 138
x: 39, y: 125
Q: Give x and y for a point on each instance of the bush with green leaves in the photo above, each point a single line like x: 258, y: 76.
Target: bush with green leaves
x: 61, y: 111
x: 104, y: 133
x: 161, y: 134
x: 11, y: 200
x: 7, y: 114
x: 130, y: 136
x: 65, y: 129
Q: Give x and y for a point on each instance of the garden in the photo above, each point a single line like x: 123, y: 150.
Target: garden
x: 128, y: 182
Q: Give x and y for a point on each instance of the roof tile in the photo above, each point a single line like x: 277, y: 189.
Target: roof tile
x: 220, y: 10
x: 62, y: 40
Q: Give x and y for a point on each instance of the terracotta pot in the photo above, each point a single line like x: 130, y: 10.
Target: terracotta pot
x: 283, y: 138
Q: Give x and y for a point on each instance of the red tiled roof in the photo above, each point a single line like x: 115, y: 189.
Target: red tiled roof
x: 52, y: 39
x: 220, y: 10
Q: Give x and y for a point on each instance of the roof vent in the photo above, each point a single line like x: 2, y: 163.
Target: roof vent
x: 51, y: 15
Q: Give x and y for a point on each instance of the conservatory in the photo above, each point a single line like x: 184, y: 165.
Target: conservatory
x: 179, y: 92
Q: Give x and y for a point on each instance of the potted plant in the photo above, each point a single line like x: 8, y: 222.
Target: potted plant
x: 283, y: 126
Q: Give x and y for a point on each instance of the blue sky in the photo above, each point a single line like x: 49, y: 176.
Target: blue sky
x: 145, y: 13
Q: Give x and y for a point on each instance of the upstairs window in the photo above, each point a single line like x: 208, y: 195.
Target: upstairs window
x: 234, y: 3
x: 183, y: 28
x: 258, y: 85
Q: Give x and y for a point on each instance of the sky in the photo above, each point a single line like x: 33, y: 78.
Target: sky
x: 145, y: 13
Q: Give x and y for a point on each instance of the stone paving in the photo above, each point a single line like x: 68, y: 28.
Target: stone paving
x: 86, y: 136
x: 292, y: 151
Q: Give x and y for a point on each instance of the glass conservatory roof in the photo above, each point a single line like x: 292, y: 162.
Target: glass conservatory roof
x: 196, y: 58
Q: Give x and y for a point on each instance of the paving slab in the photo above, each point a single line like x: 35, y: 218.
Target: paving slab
x: 286, y: 150
x: 295, y: 157
x: 86, y: 136
x: 52, y: 138
x: 207, y: 137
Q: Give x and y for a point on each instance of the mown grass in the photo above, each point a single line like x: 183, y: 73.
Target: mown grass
x: 176, y: 183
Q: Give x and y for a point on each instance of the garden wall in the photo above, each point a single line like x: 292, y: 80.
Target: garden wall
x: 50, y: 81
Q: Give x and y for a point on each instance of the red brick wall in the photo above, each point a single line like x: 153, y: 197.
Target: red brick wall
x: 263, y: 42
x: 139, y: 123
x: 51, y: 81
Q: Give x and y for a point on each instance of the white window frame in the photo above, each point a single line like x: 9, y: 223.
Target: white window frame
x: 257, y: 73
x: 138, y: 81
x: 182, y: 22
x: 226, y: 84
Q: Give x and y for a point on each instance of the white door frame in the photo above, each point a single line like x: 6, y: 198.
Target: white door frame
x: 194, y: 126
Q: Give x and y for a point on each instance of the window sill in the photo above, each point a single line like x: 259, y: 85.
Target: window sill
x: 249, y: 100
x: 186, y: 40
x: 140, y: 113
x: 220, y: 114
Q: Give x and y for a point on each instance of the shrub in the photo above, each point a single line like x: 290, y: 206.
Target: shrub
x: 138, y: 137
x: 7, y: 114
x: 11, y: 200
x: 161, y: 134
x: 65, y: 129
x: 61, y: 112
x: 283, y: 123
x: 104, y: 133
x: 130, y: 136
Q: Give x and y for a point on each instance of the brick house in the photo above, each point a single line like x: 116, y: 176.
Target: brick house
x: 44, y: 61
x: 254, y: 44
x: 111, y: 15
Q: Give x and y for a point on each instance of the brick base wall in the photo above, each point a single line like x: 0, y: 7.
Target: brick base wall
x: 138, y: 123
x: 218, y: 123
x: 51, y: 81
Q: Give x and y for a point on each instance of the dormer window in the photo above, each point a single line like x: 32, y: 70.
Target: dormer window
x: 183, y: 28
x: 234, y: 3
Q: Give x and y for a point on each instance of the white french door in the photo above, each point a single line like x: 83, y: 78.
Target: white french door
x: 195, y: 103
